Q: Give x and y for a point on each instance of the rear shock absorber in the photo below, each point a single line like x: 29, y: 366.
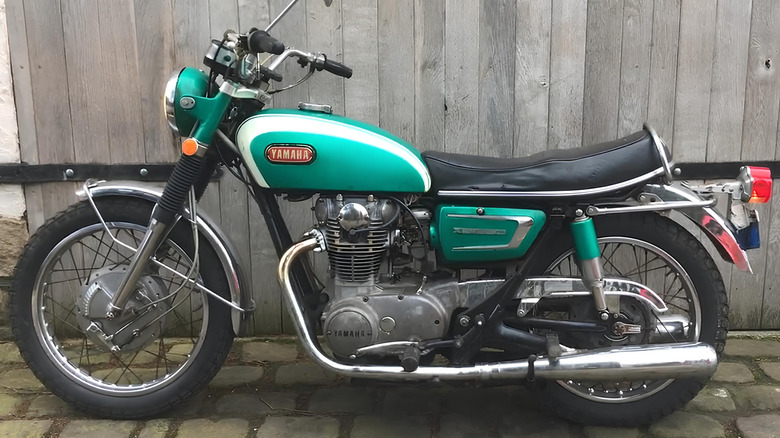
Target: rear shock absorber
x: 586, y: 246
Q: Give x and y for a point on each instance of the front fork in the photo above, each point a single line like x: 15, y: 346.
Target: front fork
x: 586, y: 247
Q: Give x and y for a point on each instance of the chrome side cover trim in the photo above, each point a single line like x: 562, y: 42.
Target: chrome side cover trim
x: 216, y: 238
x: 554, y: 194
x: 619, y: 363
x: 524, y: 224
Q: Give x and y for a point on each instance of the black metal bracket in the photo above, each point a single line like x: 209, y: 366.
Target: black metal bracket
x: 19, y: 173
x: 726, y: 170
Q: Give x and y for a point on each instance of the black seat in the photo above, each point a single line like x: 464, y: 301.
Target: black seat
x: 587, y: 170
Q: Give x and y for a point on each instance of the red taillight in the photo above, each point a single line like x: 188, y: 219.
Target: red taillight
x: 762, y: 184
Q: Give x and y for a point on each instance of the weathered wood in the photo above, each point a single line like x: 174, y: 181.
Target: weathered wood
x: 729, y: 72
x: 396, y: 67
x: 497, y: 73
x: 429, y: 75
x: 324, y: 35
x: 359, y: 32
x: 191, y: 33
x: 663, y: 68
x: 50, y: 86
x: 87, y: 93
x: 34, y: 200
x: 635, y: 65
x: 461, y: 81
x: 694, y: 76
x: 770, y: 312
x: 532, y: 75
x: 253, y: 13
x: 20, y: 70
x: 567, y: 73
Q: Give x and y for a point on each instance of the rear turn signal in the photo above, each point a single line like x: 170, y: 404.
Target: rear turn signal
x: 761, y: 179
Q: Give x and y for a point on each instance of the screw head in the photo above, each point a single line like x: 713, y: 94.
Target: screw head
x: 464, y: 321
x: 144, y: 171
x: 187, y: 102
x: 480, y: 211
x: 69, y: 173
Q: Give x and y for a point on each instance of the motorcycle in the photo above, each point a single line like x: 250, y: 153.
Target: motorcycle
x: 127, y: 303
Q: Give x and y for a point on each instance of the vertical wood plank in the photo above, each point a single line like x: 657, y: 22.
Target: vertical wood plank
x: 223, y: 15
x: 729, y: 72
x: 123, y: 101
x: 22, y: 81
x: 396, y: 67
x: 762, y: 94
x: 49, y: 81
x: 359, y: 33
x: 663, y: 68
x: 567, y: 73
x: 635, y: 65
x: 602, y: 71
x: 191, y: 33
x: 87, y: 92
x: 532, y: 75
x: 324, y: 35
x: 33, y: 198
x: 156, y: 56
x: 747, y: 290
x: 429, y: 75
x: 694, y: 77
x: 770, y: 312
x: 461, y: 82
x: 253, y: 13
x: 497, y: 73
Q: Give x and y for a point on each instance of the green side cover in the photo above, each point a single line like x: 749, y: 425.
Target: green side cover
x: 477, y: 234
x: 586, y: 245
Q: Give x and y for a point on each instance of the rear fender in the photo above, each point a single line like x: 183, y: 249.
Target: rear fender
x: 228, y: 257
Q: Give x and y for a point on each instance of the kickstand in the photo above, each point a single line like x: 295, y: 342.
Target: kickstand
x: 531, y: 376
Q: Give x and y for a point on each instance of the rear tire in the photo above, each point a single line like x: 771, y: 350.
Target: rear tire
x: 155, y: 375
x: 582, y: 403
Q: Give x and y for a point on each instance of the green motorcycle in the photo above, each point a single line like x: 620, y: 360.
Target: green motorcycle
x: 127, y: 303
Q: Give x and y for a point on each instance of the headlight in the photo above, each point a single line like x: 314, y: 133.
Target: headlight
x: 169, y: 101
x: 184, y: 85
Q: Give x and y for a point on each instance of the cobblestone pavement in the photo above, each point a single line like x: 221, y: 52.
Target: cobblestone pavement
x: 269, y: 389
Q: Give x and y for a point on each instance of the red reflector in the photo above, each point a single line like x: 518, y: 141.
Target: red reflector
x: 762, y: 184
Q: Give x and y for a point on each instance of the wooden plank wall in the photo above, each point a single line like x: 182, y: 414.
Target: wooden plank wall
x: 494, y: 77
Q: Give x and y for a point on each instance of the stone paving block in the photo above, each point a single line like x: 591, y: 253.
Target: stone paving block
x: 155, y: 428
x: 712, y: 399
x: 229, y: 427
x: 303, y: 374
x: 8, y: 404
x: 299, y: 427
x: 611, y: 432
x: 760, y: 397
x: 759, y: 426
x: 687, y: 425
x: 530, y: 425
x: 191, y: 406
x: 410, y: 400
x: 24, y: 428
x: 343, y: 400
x: 387, y: 426
x: 772, y: 369
x: 752, y: 348
x: 733, y: 372
x: 234, y: 376
x: 10, y: 354
x: 97, y: 429
x: 48, y: 406
x: 249, y: 404
x: 487, y: 402
x: 22, y: 379
x: 467, y: 426
x: 268, y: 352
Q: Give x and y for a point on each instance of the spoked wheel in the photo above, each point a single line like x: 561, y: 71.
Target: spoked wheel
x: 660, y: 254
x: 167, y: 343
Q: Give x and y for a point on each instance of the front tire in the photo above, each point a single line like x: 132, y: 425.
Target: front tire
x: 179, y: 344
x: 675, y: 260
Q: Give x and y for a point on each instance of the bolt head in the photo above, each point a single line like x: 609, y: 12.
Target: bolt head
x: 464, y: 321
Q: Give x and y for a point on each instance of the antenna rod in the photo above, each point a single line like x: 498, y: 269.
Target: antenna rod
x: 279, y: 17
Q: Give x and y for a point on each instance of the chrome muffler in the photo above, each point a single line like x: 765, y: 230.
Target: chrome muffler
x: 637, y: 362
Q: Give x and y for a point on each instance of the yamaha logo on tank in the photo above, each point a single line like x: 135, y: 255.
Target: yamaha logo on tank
x: 290, y: 153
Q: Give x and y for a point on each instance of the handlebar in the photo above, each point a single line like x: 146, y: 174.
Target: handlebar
x: 260, y: 42
x: 336, y: 68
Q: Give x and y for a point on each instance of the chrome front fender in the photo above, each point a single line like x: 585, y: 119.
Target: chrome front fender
x: 240, y: 294
x: 714, y: 225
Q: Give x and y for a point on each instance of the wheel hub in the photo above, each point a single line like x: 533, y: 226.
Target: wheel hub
x: 141, y: 321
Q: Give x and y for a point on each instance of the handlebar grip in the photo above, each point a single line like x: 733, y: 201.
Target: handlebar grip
x: 260, y: 41
x: 337, y: 68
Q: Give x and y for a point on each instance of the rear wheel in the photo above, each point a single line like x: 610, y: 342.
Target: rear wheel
x: 167, y: 344
x: 659, y: 253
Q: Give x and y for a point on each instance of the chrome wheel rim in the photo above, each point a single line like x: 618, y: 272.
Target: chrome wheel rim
x: 54, y: 302
x: 655, y: 268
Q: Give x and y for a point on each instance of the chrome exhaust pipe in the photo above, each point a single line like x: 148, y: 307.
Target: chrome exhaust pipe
x: 637, y: 362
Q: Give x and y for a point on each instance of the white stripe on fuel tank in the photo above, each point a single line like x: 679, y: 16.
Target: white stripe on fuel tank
x: 261, y: 124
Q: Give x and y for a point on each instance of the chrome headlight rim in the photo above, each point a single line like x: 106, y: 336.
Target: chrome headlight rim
x: 170, y: 101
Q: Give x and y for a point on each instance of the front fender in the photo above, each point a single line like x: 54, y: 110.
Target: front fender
x: 715, y: 226
x: 239, y: 291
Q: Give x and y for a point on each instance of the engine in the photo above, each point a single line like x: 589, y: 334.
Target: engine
x: 379, y: 275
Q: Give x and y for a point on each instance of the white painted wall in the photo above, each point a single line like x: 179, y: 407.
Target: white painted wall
x: 11, y: 195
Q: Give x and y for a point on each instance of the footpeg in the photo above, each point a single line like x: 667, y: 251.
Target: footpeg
x: 410, y: 359
x: 554, y: 349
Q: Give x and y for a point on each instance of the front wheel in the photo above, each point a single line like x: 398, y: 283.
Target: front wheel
x: 168, y: 342
x: 659, y: 253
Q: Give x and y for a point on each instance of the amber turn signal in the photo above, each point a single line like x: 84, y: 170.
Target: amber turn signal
x: 189, y: 146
